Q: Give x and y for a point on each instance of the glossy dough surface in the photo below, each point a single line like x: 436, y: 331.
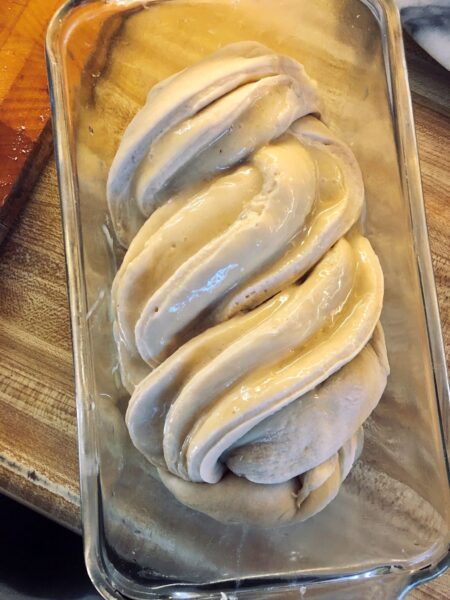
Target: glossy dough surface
x: 246, y: 309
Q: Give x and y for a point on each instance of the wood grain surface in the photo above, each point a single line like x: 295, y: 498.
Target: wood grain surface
x: 38, y: 452
x: 25, y: 136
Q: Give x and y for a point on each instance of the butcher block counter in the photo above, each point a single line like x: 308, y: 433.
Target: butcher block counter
x: 38, y: 448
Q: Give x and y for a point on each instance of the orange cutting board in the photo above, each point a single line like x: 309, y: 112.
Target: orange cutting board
x: 25, y: 135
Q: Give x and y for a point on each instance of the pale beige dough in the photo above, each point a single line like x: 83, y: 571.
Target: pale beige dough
x: 246, y: 310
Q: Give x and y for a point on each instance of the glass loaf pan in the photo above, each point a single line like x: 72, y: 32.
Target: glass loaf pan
x: 389, y: 526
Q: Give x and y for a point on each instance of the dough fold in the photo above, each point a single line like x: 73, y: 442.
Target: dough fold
x: 246, y: 309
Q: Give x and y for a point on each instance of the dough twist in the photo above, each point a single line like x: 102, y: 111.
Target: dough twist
x: 246, y: 307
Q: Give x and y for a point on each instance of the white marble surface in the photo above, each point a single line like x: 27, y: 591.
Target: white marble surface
x: 429, y: 24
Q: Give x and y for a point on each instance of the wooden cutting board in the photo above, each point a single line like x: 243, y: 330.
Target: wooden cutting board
x: 25, y: 134
x: 38, y: 450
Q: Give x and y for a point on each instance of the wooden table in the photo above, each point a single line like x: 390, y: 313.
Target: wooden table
x: 38, y: 451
